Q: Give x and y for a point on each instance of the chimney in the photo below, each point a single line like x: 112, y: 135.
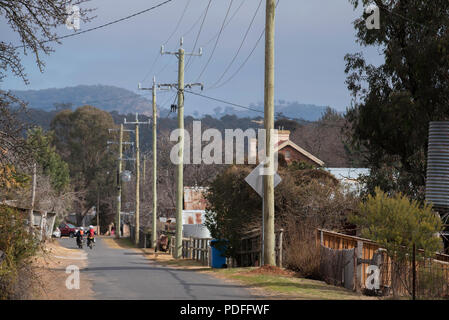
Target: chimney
x: 283, y: 135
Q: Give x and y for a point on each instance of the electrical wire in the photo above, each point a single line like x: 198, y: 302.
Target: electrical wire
x: 166, y: 41
x: 195, y: 23
x: 216, y: 41
x: 241, y: 106
x: 223, y: 101
x: 179, y: 22
x: 104, y: 25
x: 240, y: 47
x: 243, y: 64
x: 245, y: 61
x: 227, y: 23
x: 198, y: 34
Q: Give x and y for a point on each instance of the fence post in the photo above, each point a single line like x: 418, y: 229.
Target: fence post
x: 281, y: 234
x: 414, y: 272
x: 190, y: 248
x: 359, y: 255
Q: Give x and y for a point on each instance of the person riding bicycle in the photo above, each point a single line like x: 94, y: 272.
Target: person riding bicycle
x: 79, y: 236
x: 90, y: 235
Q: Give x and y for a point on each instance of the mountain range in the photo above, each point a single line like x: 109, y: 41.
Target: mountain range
x: 111, y: 98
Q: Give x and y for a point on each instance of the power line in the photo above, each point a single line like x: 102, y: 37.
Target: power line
x: 216, y: 42
x: 179, y: 22
x: 104, y: 25
x: 227, y: 23
x: 241, y: 106
x: 195, y: 23
x: 246, y: 60
x: 166, y: 41
x: 240, y: 47
x: 198, y: 34
x: 223, y: 101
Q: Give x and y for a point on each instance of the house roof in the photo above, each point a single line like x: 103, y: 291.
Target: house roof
x: 282, y: 144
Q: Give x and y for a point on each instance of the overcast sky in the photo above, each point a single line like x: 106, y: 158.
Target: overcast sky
x: 312, y: 37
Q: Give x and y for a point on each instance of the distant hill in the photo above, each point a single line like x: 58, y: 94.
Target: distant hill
x: 296, y: 110
x: 108, y: 98
x: 111, y: 98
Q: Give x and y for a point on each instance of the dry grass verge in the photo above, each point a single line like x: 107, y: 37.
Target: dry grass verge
x: 276, y: 283
x: 50, y: 267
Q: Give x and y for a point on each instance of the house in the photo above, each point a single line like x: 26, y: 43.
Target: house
x: 349, y: 177
x: 290, y: 150
x: 195, y: 203
x: 194, y: 198
x: 194, y: 212
x: 42, y: 220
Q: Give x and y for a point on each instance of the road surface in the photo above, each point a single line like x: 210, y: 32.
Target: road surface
x: 126, y: 274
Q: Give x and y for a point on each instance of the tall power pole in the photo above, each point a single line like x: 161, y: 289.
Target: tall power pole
x: 154, y: 224
x: 137, y: 209
x: 179, y: 169
x: 154, y: 89
x: 119, y: 174
x: 119, y: 183
x: 269, y: 241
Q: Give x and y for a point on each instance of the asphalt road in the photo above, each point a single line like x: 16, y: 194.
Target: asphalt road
x: 126, y: 274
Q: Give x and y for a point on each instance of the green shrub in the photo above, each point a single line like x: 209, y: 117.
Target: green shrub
x: 19, y: 246
x: 396, y: 223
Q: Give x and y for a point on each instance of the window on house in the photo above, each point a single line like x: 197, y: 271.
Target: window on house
x: 287, y: 154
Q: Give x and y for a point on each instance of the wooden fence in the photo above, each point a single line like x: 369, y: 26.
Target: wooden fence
x: 248, y: 254
x: 392, y: 276
x: 194, y: 248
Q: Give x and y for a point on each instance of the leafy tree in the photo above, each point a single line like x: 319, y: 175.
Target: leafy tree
x: 394, y: 102
x: 34, y: 21
x: 81, y: 139
x: 304, y: 200
x: 48, y: 159
x: 397, y: 223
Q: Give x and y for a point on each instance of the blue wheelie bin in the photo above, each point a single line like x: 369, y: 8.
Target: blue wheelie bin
x: 218, y: 256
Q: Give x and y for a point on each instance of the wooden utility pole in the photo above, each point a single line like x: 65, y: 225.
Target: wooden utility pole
x: 144, y: 170
x: 119, y: 183
x: 98, y: 212
x: 119, y: 175
x: 154, y: 232
x: 154, y: 223
x: 269, y: 241
x: 33, y: 198
x: 137, y: 210
x: 179, y: 168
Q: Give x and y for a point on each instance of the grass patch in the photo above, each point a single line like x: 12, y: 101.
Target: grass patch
x: 288, y: 286
x: 122, y: 243
x: 167, y: 259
